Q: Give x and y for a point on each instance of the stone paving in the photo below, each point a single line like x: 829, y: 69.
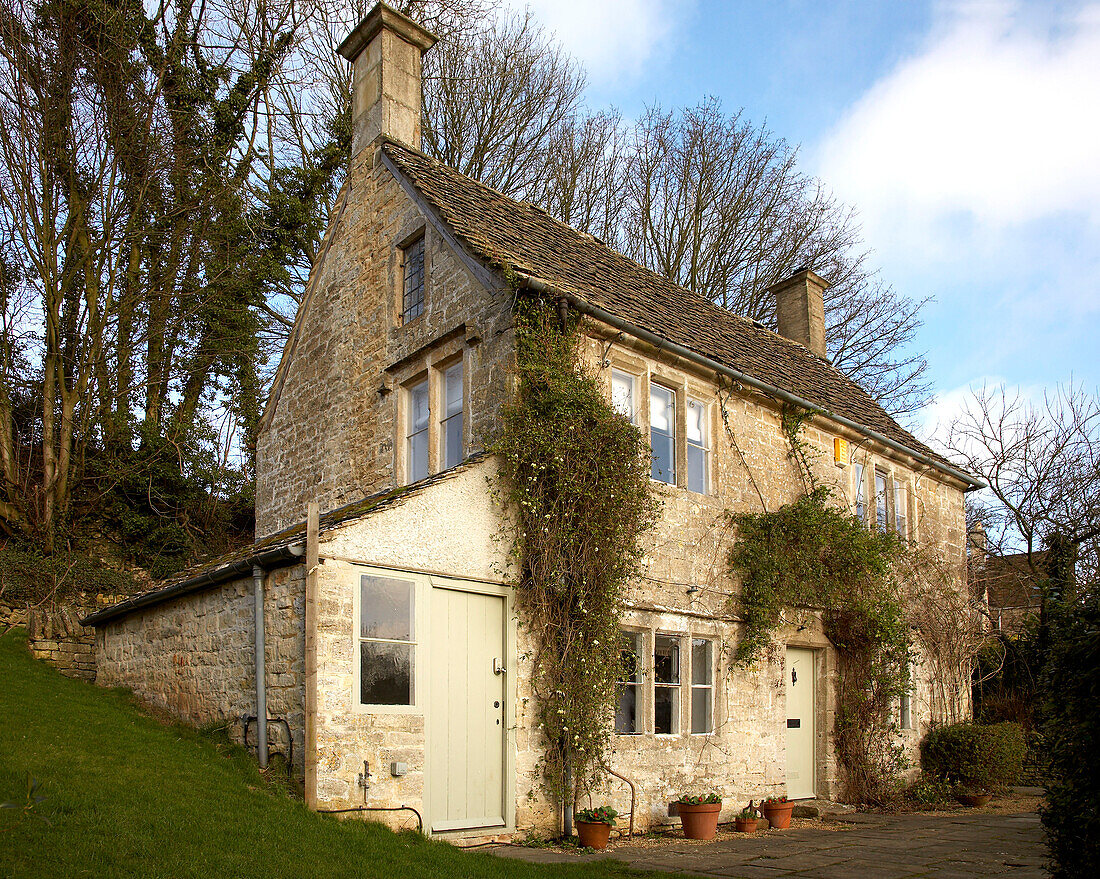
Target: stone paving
x: 946, y: 846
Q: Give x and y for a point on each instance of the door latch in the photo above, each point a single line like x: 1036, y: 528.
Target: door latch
x: 498, y: 666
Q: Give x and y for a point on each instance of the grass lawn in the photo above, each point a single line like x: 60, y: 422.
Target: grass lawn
x: 127, y: 795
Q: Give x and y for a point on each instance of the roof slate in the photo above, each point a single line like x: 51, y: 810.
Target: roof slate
x: 503, y: 232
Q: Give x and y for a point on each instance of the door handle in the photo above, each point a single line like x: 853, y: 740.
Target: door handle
x: 498, y: 666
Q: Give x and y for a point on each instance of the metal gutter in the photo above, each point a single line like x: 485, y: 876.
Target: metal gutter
x: 607, y: 317
x: 276, y: 557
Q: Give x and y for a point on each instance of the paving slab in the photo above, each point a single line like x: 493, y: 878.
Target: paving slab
x: 873, y: 846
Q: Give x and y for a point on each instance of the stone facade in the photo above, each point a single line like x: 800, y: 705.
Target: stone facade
x: 55, y: 635
x: 341, y: 389
x: 193, y: 656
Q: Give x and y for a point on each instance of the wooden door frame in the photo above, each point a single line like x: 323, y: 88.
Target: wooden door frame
x: 816, y: 655
x: 508, y: 636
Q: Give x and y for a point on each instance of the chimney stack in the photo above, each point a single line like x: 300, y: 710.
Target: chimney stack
x: 800, y: 309
x: 385, y: 51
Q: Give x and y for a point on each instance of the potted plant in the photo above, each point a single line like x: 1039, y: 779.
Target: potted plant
x: 594, y: 826
x: 778, y: 812
x: 973, y: 795
x: 699, y: 815
x: 746, y: 820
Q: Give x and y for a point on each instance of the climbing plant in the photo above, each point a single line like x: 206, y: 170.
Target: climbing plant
x: 576, y: 473
x: 811, y: 554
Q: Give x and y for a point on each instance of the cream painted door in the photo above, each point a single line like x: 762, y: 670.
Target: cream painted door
x: 801, y: 766
x: 466, y: 711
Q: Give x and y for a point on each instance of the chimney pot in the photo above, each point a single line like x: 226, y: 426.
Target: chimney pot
x: 386, y: 50
x: 800, y: 309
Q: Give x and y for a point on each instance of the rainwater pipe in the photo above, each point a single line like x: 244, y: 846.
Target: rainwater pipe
x: 261, y: 689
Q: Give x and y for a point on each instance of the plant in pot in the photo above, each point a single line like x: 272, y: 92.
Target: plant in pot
x: 778, y: 812
x: 746, y: 820
x: 594, y: 826
x: 699, y: 815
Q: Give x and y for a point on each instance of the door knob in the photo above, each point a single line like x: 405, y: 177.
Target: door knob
x: 498, y: 666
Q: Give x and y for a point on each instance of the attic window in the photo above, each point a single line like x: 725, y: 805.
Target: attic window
x: 412, y: 303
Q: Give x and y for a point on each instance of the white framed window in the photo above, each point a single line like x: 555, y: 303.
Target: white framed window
x: 702, y: 685
x: 698, y: 446
x: 416, y: 434
x: 901, y: 509
x: 387, y: 641
x: 860, y: 493
x: 450, y: 427
x: 662, y: 433
x: 623, y: 396
x: 412, y: 299
x: 628, y: 714
x: 666, y: 684
x: 905, y: 705
x: 882, y: 516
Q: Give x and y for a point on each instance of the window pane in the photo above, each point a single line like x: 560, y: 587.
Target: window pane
x: 701, y: 710
x: 880, y: 499
x: 666, y: 710
x: 385, y: 673
x: 418, y: 456
x: 630, y: 653
x: 662, y: 434
x: 697, y: 469
x: 622, y: 393
x: 418, y: 407
x: 626, y: 710
x: 858, y: 477
x: 412, y: 304
x: 901, y: 510
x: 701, y: 661
x: 696, y: 423
x: 454, y: 390
x: 666, y: 660
x: 386, y: 608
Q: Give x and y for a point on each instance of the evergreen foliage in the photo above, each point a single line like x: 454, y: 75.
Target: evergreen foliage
x: 576, y: 473
x: 975, y: 755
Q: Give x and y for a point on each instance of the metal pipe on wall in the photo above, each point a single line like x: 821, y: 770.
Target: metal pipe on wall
x: 261, y: 679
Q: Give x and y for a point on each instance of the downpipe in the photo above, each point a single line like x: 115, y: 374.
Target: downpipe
x: 261, y: 680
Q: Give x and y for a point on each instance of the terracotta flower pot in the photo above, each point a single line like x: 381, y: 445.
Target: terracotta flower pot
x: 593, y: 834
x: 778, y: 814
x: 745, y: 825
x: 974, y: 799
x: 701, y: 821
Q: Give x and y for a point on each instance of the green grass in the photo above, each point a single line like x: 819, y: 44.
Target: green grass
x: 128, y: 795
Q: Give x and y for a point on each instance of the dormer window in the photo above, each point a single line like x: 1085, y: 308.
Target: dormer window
x: 412, y: 302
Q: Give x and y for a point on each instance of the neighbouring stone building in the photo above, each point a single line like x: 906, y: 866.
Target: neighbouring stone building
x: 388, y: 641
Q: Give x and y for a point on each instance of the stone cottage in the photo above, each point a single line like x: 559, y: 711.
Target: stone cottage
x: 373, y: 619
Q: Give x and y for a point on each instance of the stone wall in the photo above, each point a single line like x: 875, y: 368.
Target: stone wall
x: 193, y: 656
x: 55, y: 635
x: 333, y: 432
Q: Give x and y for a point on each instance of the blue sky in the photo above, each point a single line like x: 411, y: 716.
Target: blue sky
x: 966, y: 133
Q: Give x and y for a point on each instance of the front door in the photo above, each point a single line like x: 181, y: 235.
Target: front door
x: 466, y: 711
x: 801, y: 766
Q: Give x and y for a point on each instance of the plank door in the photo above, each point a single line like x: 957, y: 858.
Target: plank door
x: 801, y: 766
x: 466, y: 711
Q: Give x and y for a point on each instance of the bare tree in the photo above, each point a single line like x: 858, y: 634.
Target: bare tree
x: 494, y: 104
x: 1041, y: 461
x: 720, y: 206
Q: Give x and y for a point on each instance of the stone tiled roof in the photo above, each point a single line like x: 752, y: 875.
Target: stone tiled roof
x: 503, y: 232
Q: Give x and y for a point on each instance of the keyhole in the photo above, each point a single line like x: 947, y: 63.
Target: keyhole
x: 496, y: 704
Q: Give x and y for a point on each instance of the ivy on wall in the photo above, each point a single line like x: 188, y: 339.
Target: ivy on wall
x: 576, y: 472
x: 811, y: 554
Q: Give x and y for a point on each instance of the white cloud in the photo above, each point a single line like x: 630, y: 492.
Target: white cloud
x: 612, y: 38
x: 992, y: 125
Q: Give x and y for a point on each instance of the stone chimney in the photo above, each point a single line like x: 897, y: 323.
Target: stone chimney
x: 800, y: 309
x: 385, y: 51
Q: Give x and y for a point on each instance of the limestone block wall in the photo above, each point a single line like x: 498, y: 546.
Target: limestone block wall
x: 55, y: 635
x: 335, y: 431
x: 194, y: 656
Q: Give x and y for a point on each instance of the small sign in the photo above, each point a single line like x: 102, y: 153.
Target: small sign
x: 794, y: 723
x: 840, y: 452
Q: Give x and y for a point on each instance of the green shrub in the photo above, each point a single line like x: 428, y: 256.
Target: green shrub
x: 928, y: 792
x: 1071, y: 730
x: 974, y: 754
